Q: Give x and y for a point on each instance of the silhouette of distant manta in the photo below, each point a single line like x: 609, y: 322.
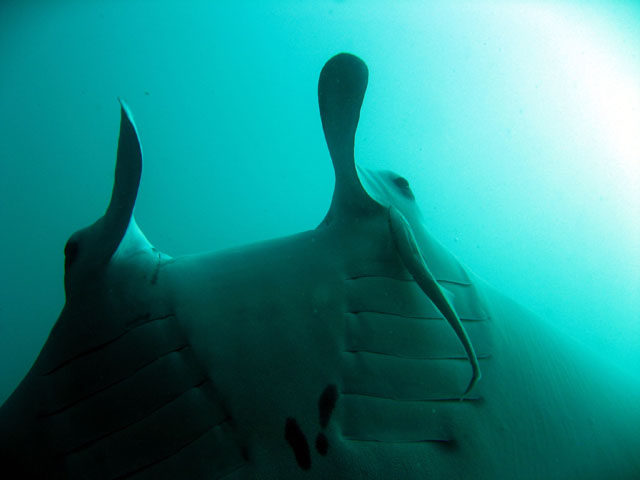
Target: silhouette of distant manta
x: 354, y: 350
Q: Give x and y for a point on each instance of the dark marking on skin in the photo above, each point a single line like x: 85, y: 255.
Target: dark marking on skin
x: 326, y: 404
x: 298, y: 443
x: 297, y: 439
x: 322, y: 444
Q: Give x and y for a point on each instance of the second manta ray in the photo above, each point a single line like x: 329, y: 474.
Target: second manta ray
x: 360, y: 349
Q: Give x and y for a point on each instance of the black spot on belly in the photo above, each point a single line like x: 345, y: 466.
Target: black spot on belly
x: 298, y: 443
x: 326, y: 404
x: 322, y: 444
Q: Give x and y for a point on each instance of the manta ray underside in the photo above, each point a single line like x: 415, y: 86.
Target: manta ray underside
x: 359, y: 349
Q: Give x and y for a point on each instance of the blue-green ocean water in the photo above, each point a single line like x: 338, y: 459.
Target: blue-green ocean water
x: 517, y: 123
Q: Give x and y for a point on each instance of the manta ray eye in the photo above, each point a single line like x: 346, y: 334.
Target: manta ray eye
x: 70, y: 253
x: 403, y: 184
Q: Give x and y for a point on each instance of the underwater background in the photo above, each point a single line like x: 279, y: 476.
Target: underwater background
x: 516, y: 123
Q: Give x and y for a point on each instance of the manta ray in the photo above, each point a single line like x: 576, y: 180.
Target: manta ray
x: 359, y: 349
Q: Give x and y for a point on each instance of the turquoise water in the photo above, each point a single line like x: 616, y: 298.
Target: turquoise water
x: 517, y: 125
